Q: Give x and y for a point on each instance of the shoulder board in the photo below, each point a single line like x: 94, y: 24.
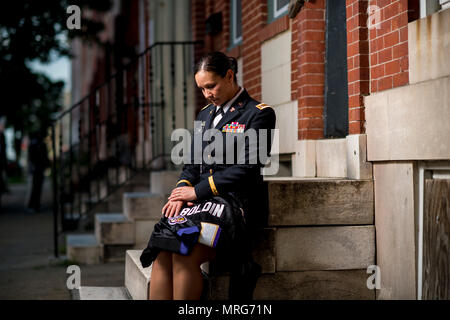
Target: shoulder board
x: 262, y: 106
x: 205, y: 107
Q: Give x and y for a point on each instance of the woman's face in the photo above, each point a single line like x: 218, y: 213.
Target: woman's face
x: 216, y: 89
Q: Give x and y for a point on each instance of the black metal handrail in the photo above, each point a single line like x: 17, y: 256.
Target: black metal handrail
x: 121, y: 127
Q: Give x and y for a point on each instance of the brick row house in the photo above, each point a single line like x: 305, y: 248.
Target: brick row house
x: 361, y: 90
x: 392, y: 125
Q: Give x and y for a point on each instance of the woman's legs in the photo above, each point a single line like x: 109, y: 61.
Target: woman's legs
x: 187, y: 276
x: 161, y: 283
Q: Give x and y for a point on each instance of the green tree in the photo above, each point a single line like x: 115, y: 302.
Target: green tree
x: 31, y: 31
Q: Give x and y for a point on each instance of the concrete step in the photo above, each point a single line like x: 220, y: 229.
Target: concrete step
x: 301, y: 262
x: 140, y: 182
x: 142, y: 231
x: 315, y: 249
x: 113, y: 229
x: 306, y: 285
x: 105, y: 206
x: 84, y: 249
x: 324, y: 248
x: 137, y: 279
x: 115, y: 252
x: 162, y: 182
x: 101, y: 293
x: 143, y: 205
x: 117, y: 175
x: 320, y: 201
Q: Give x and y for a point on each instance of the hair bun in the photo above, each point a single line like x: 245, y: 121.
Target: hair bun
x: 217, y: 62
x: 233, y: 64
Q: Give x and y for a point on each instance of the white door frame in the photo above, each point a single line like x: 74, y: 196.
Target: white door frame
x: 425, y: 173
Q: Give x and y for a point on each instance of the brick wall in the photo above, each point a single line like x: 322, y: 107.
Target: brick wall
x: 377, y: 52
x: 377, y: 58
x: 357, y: 63
x: 254, y: 17
x: 308, y: 70
x: 389, y: 46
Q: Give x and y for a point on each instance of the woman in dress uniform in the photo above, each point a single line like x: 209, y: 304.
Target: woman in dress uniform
x: 215, y: 206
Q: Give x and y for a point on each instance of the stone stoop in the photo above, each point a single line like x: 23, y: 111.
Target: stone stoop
x: 113, y: 228
x: 143, y: 205
x: 137, y: 279
x: 310, y: 263
x: 144, y: 209
x: 319, y: 244
x: 114, y: 202
x: 100, y: 293
x: 303, y: 263
x: 163, y: 182
x: 332, y: 158
x: 320, y: 201
x: 84, y: 249
x: 114, y: 233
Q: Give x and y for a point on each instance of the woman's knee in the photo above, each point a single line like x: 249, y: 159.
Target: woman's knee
x: 200, y: 254
x: 164, y: 259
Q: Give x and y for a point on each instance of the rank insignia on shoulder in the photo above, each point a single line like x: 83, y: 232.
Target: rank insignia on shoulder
x: 205, y: 107
x: 234, y: 127
x: 262, y: 106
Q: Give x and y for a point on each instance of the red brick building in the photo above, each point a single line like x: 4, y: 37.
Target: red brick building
x: 361, y: 91
x: 396, y: 89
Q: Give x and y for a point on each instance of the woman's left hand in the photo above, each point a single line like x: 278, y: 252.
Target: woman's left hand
x: 183, y: 194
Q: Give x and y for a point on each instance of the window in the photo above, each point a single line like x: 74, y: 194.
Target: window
x: 445, y: 4
x: 276, y: 9
x: 281, y: 7
x: 236, y: 22
x: 428, y: 7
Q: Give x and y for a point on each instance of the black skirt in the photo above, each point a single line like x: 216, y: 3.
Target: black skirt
x: 217, y: 222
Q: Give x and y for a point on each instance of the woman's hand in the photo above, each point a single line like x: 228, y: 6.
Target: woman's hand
x: 186, y: 194
x: 172, y: 208
x: 177, y: 199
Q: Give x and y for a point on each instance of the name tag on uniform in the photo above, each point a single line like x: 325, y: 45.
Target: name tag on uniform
x: 234, y: 127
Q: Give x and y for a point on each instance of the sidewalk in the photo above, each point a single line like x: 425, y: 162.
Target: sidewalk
x: 26, y: 251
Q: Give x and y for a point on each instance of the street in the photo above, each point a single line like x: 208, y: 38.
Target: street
x: 28, y: 270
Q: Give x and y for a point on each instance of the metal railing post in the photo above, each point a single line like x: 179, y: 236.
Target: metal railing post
x: 55, y: 195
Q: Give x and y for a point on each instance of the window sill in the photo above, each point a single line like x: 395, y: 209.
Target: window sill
x: 234, y: 51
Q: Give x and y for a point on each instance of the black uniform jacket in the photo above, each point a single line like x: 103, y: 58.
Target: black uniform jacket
x: 243, y: 176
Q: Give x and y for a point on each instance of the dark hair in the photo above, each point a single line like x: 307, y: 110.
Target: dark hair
x: 217, y: 62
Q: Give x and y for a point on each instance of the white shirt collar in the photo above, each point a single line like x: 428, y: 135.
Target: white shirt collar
x: 230, y: 103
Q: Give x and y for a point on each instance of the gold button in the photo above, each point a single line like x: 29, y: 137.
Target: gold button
x: 210, y: 171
